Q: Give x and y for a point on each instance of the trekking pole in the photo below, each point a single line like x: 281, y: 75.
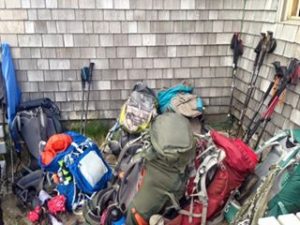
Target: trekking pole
x: 267, y: 44
x: 252, y: 81
x: 237, y: 47
x: 268, y: 112
x: 278, y: 74
x: 290, y: 74
x: 91, y: 68
x: 83, y: 74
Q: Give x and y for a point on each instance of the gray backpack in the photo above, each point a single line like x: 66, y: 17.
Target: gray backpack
x: 34, y: 122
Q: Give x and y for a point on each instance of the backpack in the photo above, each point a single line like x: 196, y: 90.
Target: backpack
x: 221, y: 170
x: 35, y: 121
x: 166, y: 164
x: 54, y: 165
x: 82, y: 170
x: 270, y: 153
x: 154, y: 152
x: 123, y: 187
x: 138, y: 111
x: 284, y: 201
x: 279, y: 180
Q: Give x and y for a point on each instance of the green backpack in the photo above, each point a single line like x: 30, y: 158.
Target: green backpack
x: 172, y: 141
x: 171, y: 149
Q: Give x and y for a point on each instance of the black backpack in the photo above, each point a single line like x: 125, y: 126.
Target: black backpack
x: 35, y: 121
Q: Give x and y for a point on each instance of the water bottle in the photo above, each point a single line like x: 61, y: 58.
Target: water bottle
x: 117, y: 217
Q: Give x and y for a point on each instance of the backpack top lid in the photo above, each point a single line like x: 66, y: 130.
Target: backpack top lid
x: 172, y: 138
x: 165, y: 96
x: 239, y: 156
x: 187, y: 105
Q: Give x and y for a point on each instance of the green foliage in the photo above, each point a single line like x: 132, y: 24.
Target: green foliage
x: 96, y: 129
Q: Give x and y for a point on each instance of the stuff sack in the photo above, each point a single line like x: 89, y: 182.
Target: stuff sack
x: 57, y: 143
x: 54, y: 166
x: 138, y: 111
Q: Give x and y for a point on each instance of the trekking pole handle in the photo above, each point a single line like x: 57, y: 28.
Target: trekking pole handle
x: 253, y: 130
x: 258, y: 48
x: 91, y: 68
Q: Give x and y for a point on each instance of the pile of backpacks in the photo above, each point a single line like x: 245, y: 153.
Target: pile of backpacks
x: 166, y: 172
x: 156, y: 166
x: 153, y: 146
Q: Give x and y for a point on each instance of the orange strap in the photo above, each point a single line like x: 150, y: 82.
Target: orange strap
x: 138, y: 218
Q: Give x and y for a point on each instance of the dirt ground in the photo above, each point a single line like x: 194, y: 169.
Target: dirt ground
x: 15, y: 213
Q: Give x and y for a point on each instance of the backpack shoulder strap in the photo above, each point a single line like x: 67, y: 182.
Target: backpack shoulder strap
x: 209, y: 162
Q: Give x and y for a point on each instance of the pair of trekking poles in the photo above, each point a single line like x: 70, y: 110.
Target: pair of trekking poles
x: 267, y: 44
x: 86, y: 74
x: 283, y: 76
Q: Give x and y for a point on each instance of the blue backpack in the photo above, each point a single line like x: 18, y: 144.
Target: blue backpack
x: 83, y: 163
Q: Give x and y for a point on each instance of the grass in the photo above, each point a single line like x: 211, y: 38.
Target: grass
x: 226, y: 124
x: 95, y: 129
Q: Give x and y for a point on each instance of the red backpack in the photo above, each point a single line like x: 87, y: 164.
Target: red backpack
x: 229, y: 161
